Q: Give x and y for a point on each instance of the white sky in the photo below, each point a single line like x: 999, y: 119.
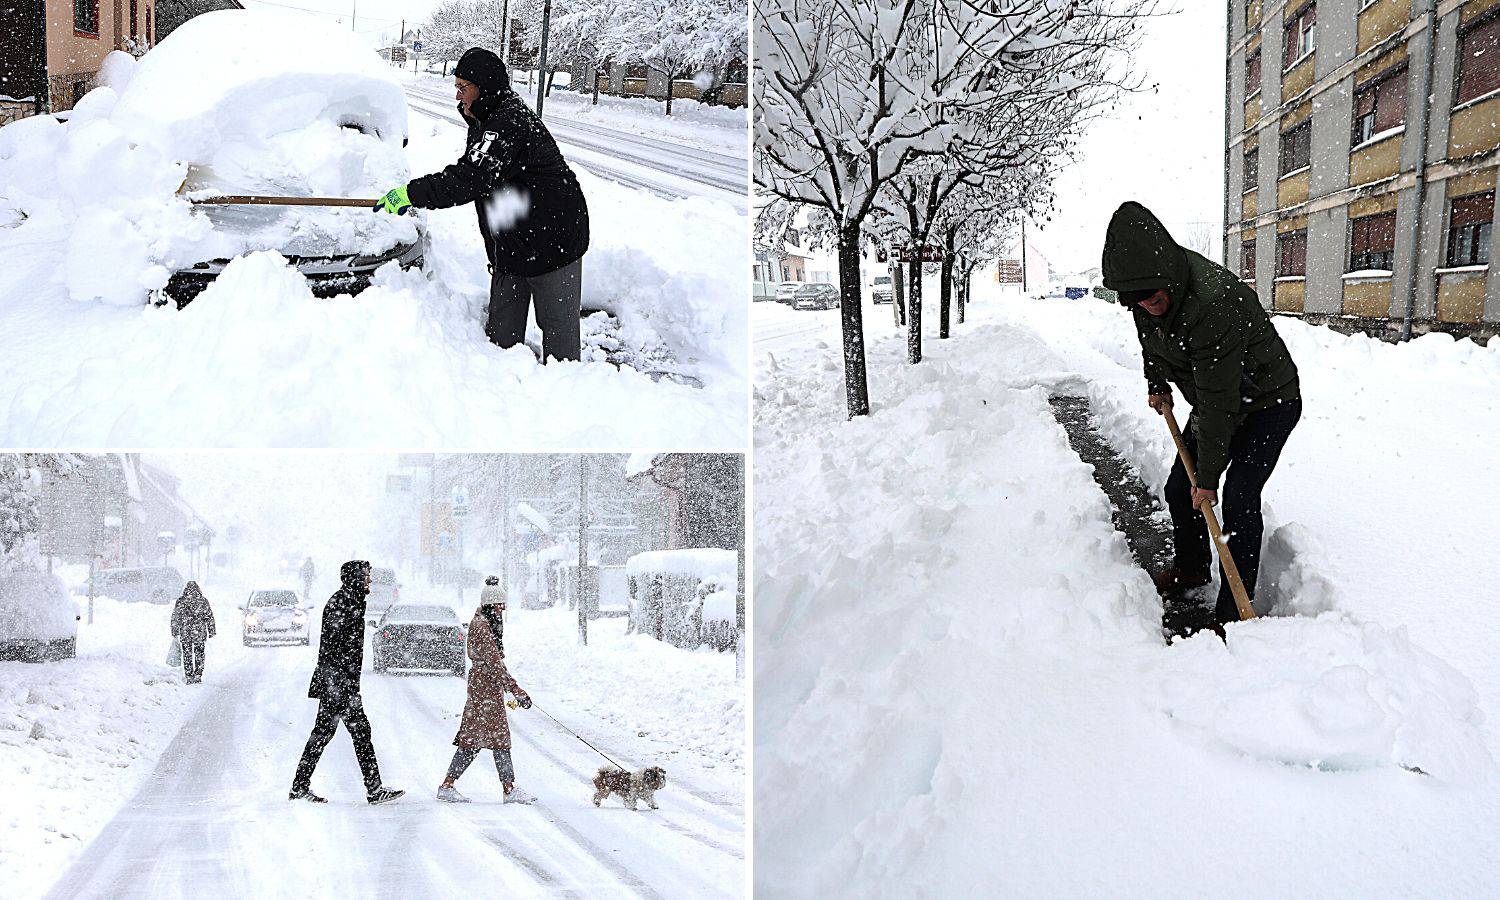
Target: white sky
x: 1164, y: 149
x: 379, y: 20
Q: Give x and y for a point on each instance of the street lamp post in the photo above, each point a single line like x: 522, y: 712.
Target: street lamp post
x: 583, y: 547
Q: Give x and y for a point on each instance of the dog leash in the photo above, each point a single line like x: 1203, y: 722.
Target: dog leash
x: 579, y: 736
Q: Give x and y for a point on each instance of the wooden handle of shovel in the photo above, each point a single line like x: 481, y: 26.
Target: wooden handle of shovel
x: 1226, y: 559
x: 255, y: 200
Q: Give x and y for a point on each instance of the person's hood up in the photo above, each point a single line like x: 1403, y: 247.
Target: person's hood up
x: 192, y: 591
x: 1139, y: 254
x: 351, y: 576
x: 486, y: 71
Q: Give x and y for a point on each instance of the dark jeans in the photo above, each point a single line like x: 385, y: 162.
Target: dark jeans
x: 192, y: 658
x: 557, y: 296
x: 1253, y: 452
x: 462, y: 758
x: 352, y: 711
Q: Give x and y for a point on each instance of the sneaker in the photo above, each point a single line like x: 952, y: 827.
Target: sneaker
x: 305, y: 794
x: 517, y: 795
x: 384, y: 795
x: 451, y: 795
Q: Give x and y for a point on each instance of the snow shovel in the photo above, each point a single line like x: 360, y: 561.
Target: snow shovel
x: 1231, y: 572
x: 259, y: 200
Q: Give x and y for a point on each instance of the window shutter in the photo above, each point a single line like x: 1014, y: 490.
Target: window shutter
x: 1479, y: 61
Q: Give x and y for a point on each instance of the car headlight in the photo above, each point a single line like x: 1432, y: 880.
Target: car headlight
x: 299, y: 619
x: 251, y: 621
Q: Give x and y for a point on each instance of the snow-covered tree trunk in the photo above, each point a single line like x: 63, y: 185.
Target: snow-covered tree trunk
x: 898, y: 293
x: 945, y: 289
x: 851, y: 316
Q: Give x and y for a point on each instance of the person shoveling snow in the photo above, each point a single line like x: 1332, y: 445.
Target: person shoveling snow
x: 533, y: 218
x: 1204, y: 330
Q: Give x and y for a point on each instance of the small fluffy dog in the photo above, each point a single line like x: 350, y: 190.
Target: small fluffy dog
x: 631, y: 786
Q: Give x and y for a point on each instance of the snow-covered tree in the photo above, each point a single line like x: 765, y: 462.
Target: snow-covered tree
x: 21, y: 478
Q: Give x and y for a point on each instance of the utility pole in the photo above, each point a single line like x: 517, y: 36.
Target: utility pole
x: 541, y: 65
x: 400, y: 39
x: 1023, y: 256
x: 353, y: 12
x: 505, y: 33
x: 583, y: 545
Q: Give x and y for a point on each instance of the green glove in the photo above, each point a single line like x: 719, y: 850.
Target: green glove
x: 394, y: 201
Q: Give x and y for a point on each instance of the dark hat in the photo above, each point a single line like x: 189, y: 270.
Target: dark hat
x: 483, y: 68
x: 492, y: 580
x: 1131, y: 298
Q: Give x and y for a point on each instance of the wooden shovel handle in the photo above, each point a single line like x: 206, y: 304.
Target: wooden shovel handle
x: 1226, y: 559
x: 250, y: 199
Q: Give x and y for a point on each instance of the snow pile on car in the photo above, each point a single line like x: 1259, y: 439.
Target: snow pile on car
x: 961, y: 679
x: 35, y: 606
x: 232, y: 102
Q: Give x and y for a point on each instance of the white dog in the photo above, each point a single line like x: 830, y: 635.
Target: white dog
x: 631, y: 787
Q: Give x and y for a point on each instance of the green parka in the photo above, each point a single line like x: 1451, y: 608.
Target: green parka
x: 1216, y: 343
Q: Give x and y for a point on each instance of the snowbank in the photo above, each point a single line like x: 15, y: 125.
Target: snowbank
x: 702, y: 562
x: 960, y: 675
x: 35, y: 606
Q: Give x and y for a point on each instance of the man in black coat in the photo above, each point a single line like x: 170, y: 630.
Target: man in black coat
x: 192, y: 624
x: 532, y: 214
x: 335, y: 684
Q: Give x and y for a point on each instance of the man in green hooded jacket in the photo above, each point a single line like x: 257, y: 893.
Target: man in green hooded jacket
x: 1205, y: 331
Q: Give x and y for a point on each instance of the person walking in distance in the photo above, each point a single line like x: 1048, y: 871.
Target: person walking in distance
x: 192, y: 625
x: 1204, y: 330
x: 335, y: 685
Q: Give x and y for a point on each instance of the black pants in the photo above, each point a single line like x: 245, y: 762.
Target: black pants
x: 557, y: 296
x: 192, y: 658
x: 352, y: 711
x: 1253, y: 452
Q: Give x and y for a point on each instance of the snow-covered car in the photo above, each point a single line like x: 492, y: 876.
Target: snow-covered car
x: 816, y: 296
x: 38, y: 621
x: 247, y: 106
x: 419, y: 637
x: 683, y: 597
x: 276, y: 617
x: 385, y: 590
x: 881, y: 290
x: 786, y: 290
x: 150, y: 584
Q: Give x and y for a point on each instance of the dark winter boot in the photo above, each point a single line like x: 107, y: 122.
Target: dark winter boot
x: 305, y: 794
x: 384, y: 795
x: 1174, y: 581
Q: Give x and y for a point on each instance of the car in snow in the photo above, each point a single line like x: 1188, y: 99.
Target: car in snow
x: 150, y: 584
x: 385, y: 590
x: 816, y: 295
x: 38, y: 620
x: 881, y: 290
x: 276, y: 617
x: 419, y: 637
x: 245, y: 108
x: 786, y: 291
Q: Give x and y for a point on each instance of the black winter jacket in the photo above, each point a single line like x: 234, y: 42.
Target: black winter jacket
x: 192, y: 618
x: 510, y: 148
x: 341, y: 645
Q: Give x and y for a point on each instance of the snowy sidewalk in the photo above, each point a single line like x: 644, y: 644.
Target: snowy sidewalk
x: 969, y: 689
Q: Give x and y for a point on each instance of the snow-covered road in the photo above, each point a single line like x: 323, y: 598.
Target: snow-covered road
x: 215, y: 809
x: 664, y: 167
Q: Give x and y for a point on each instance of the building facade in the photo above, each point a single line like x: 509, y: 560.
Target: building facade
x: 1362, y: 143
x: 50, y: 52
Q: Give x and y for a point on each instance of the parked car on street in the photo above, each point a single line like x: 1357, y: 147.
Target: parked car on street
x: 816, y: 296
x: 881, y: 290
x: 786, y: 290
x: 276, y: 617
x: 38, y: 620
x: 150, y: 584
x: 420, y: 637
x: 385, y: 591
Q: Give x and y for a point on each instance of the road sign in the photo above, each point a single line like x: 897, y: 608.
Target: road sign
x: 929, y: 253
x: 416, y: 46
x: 1008, y: 271
x: 460, y: 503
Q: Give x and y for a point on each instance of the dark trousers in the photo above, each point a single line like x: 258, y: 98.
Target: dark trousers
x: 192, y: 658
x: 557, y: 296
x: 1253, y: 452
x: 352, y: 711
x: 463, y: 757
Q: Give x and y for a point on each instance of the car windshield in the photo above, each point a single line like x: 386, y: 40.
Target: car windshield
x: 383, y: 576
x: 884, y: 279
x: 273, y: 598
x: 421, y: 614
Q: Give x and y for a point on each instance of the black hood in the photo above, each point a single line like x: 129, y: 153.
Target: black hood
x: 351, y: 576
x: 483, y: 68
x: 1139, y: 254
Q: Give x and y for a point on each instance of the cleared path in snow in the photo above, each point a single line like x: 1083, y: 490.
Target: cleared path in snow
x: 215, y: 813
x: 662, y: 167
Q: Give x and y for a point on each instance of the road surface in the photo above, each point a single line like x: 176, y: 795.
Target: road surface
x: 214, y: 817
x: 663, y: 167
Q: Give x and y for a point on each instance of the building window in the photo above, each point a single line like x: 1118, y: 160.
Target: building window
x: 1252, y: 170
x: 1479, y: 60
x: 1469, y: 220
x: 1380, y: 105
x: 1252, y: 73
x: 86, y: 17
x: 1372, y: 242
x: 1296, y: 148
x: 1291, y: 254
x: 1247, y: 260
x: 1299, y: 37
